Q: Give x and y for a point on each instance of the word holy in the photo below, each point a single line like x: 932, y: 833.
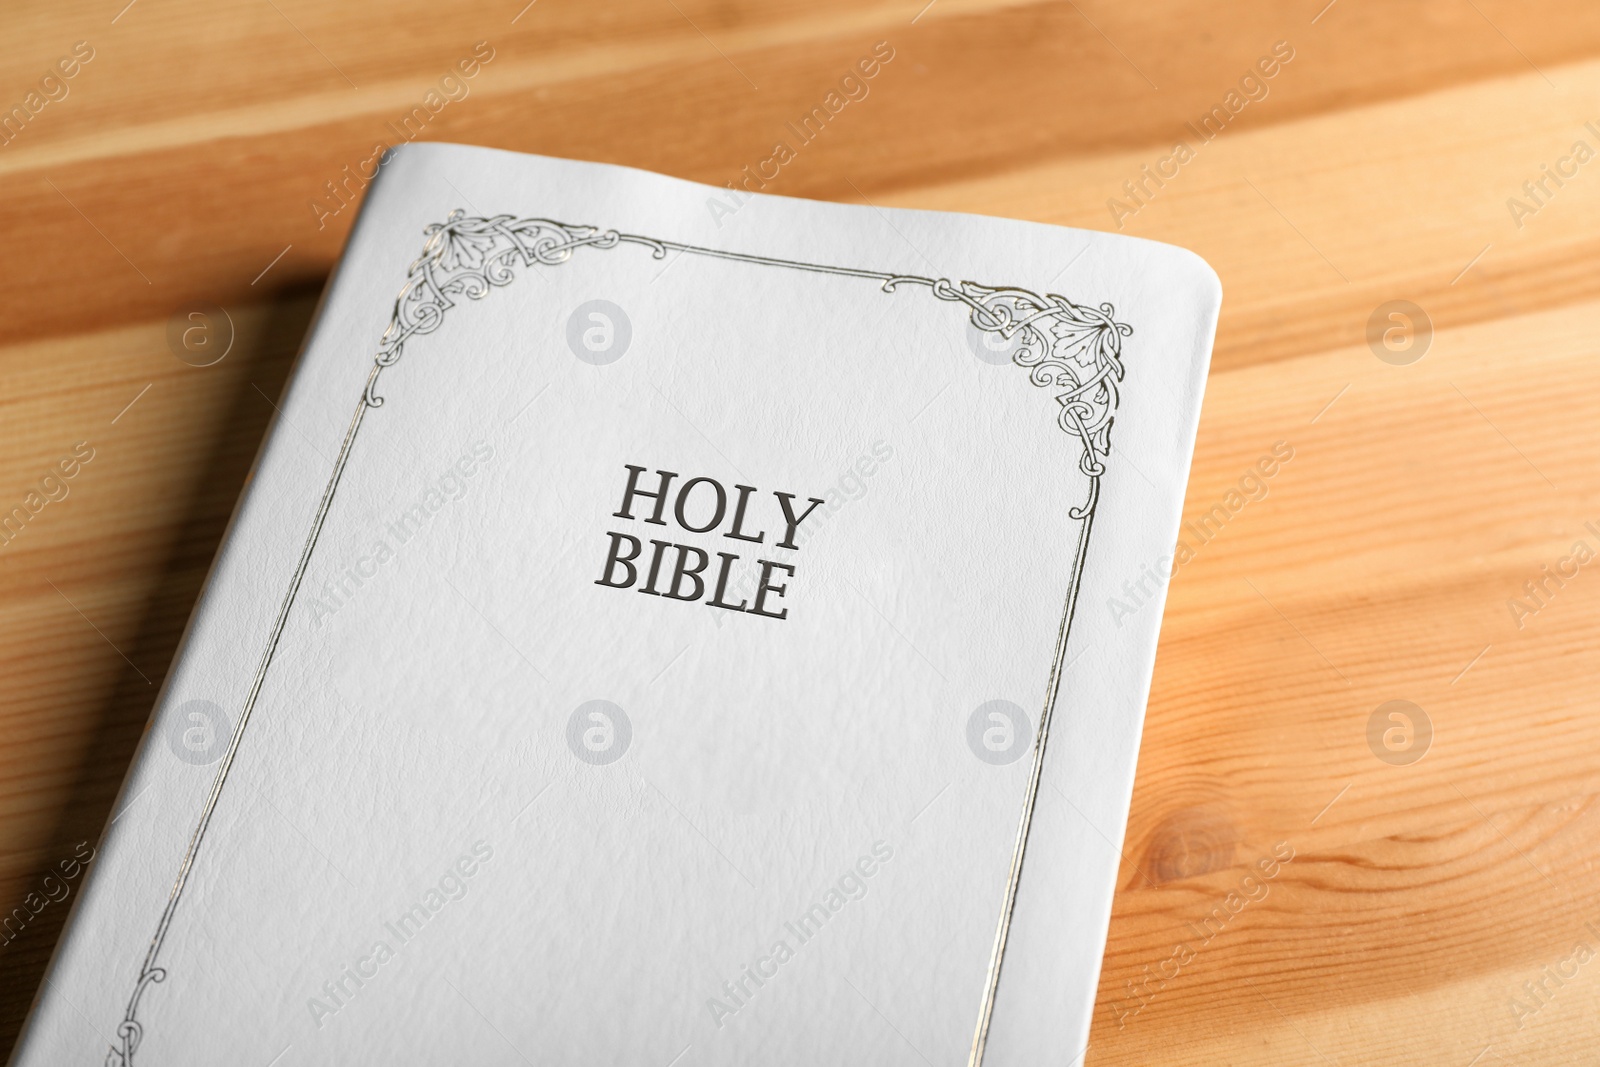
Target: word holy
x: 1538, y: 190
x: 52, y: 89
x: 346, y: 189
x: 852, y: 89
x: 1252, y: 890
x: 1212, y: 123
x: 852, y: 885
x: 1549, y: 584
x: 337, y: 993
x: 708, y: 501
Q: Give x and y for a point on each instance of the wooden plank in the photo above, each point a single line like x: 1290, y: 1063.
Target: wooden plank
x: 1378, y: 563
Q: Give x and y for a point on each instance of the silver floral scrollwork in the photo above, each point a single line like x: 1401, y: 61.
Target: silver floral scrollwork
x: 469, y: 256
x: 1072, y: 348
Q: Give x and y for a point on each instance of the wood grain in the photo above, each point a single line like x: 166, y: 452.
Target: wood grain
x: 181, y: 167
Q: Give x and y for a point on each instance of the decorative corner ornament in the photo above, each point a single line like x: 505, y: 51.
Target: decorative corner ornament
x: 1071, y: 347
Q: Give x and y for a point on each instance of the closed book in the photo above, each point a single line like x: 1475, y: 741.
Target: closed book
x: 666, y: 625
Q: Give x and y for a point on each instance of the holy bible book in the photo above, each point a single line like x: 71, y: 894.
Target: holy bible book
x: 666, y: 626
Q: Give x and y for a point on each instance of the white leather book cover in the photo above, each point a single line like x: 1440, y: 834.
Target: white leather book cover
x: 671, y: 632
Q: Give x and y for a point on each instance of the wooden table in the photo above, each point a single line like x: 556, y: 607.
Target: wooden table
x: 1440, y: 459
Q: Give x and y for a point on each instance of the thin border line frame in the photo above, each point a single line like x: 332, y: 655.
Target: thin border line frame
x: 1070, y: 349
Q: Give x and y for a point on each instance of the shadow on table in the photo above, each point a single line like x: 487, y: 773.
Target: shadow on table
x: 121, y: 721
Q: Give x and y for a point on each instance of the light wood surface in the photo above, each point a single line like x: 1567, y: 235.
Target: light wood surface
x: 1380, y: 565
